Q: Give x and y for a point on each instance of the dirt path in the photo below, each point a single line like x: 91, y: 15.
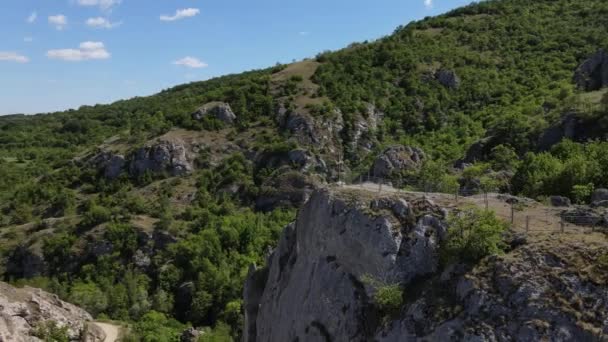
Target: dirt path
x: 111, y: 331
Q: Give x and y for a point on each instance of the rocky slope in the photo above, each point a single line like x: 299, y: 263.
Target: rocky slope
x: 321, y: 281
x: 24, y: 312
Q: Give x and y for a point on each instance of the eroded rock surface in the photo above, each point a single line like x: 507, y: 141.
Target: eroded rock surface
x: 315, y: 288
x: 397, y: 158
x: 22, y: 311
x: 592, y: 74
x: 317, y: 285
x: 109, y: 164
x: 164, y: 156
x: 218, y: 110
x: 551, y: 291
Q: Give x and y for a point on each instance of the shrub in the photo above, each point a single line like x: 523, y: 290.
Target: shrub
x: 473, y: 235
x: 49, y: 331
x: 582, y: 193
x: 389, y: 299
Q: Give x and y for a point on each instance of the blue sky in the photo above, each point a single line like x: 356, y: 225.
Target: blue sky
x: 59, y: 54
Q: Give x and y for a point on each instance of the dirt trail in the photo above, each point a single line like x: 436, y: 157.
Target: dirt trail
x: 111, y: 331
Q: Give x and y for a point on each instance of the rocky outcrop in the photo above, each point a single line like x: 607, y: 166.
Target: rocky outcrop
x: 564, y: 129
x: 309, y: 130
x: 26, y: 262
x: 560, y: 201
x: 163, y: 156
x: 299, y: 159
x: 599, y: 195
x: 448, y: 78
x: 217, y: 110
x: 288, y: 189
x: 395, y: 159
x: 320, y: 282
x: 316, y: 286
x: 363, y: 127
x: 109, y: 164
x: 477, y: 152
x: 549, y: 291
x: 23, y: 311
x: 592, y: 74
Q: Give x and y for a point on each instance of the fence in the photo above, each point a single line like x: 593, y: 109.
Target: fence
x: 524, y: 215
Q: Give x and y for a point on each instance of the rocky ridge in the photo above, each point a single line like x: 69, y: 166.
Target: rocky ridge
x: 320, y: 282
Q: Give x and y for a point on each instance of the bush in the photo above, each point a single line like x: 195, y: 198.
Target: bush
x: 473, y: 235
x: 389, y: 299
x: 49, y: 331
x: 582, y: 193
x: 156, y: 327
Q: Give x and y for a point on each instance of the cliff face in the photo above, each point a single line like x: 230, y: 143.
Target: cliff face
x: 315, y: 286
x: 321, y: 281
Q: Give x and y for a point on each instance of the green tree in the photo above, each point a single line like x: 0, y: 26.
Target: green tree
x: 472, y: 235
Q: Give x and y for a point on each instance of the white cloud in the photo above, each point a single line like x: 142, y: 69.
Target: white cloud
x: 86, y: 51
x: 428, y: 3
x: 32, y: 18
x: 9, y: 56
x: 100, y: 22
x: 181, y: 14
x: 102, y: 4
x: 191, y: 62
x: 60, y: 21
x: 28, y: 39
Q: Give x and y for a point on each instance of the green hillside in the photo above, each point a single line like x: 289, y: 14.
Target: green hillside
x: 497, y: 72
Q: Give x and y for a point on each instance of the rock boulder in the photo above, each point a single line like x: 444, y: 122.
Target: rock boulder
x: 218, y: 110
x: 592, y: 74
x: 171, y: 157
x: 397, y: 158
x: 109, y: 164
x: 24, y: 310
x: 448, y: 78
x: 599, y: 195
x: 560, y: 201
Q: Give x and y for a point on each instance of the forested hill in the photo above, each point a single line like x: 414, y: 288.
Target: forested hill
x: 152, y: 208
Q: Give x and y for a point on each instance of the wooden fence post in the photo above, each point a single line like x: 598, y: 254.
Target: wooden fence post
x: 485, y: 195
x: 512, y: 215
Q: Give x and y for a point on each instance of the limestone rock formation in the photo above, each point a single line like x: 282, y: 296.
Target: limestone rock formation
x: 448, y: 78
x: 288, y: 189
x: 315, y: 288
x: 164, y: 156
x: 397, y: 158
x: 592, y: 74
x: 110, y: 165
x: 548, y: 291
x: 363, y: 127
x: 218, y: 110
x: 320, y: 282
x: 308, y: 130
x: 23, y: 311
